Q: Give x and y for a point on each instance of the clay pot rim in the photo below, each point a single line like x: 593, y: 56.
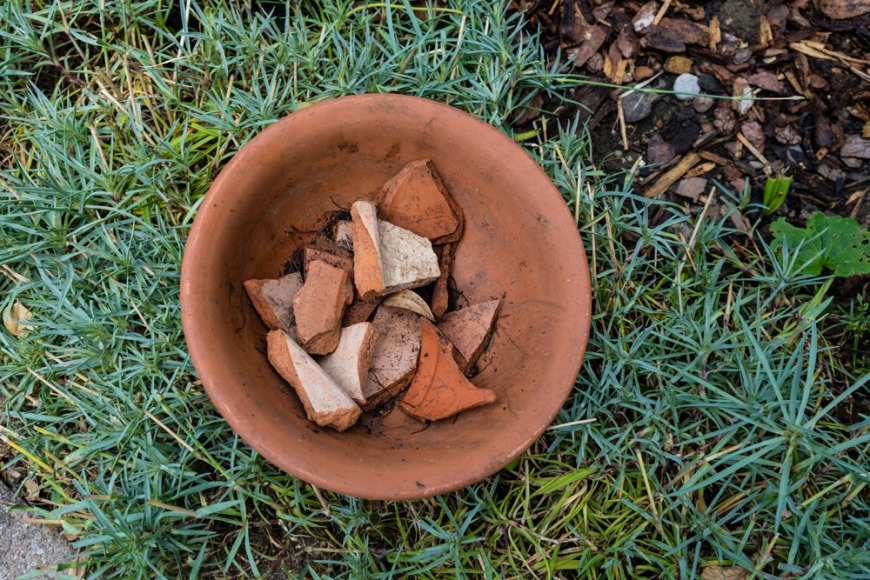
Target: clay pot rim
x: 202, y: 358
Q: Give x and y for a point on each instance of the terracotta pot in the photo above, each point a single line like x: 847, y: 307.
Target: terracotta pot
x: 520, y: 242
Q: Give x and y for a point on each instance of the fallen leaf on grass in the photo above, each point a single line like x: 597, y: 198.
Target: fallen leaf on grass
x: 723, y: 573
x: 15, y: 320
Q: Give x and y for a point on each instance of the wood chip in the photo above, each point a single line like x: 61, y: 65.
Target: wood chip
x: 710, y: 156
x: 668, y: 179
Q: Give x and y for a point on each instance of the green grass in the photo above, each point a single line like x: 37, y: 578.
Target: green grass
x: 716, y: 420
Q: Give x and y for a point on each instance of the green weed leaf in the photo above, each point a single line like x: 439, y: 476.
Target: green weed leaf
x: 833, y: 242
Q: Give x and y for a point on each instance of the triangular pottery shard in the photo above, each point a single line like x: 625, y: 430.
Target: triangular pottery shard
x: 348, y: 364
x: 319, y: 306
x: 273, y: 299
x: 416, y: 199
x: 396, y: 354
x: 469, y: 330
x: 325, y: 402
x: 388, y: 258
x: 439, y: 389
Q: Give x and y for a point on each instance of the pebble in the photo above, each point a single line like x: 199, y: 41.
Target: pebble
x: 703, y: 104
x: 638, y: 105
x: 686, y: 83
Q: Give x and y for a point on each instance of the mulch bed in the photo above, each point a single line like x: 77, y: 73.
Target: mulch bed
x: 815, y: 61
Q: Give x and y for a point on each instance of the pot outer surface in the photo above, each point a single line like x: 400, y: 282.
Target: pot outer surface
x: 520, y: 242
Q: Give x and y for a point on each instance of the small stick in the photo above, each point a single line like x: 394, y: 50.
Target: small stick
x: 661, y: 12
x: 671, y: 177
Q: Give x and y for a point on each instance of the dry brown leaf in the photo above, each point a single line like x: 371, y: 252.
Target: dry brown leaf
x: 723, y: 573
x: 410, y: 300
x: 32, y: 490
x: 15, y: 320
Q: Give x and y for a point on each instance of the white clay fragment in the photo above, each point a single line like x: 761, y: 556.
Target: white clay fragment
x: 325, y: 402
x: 348, y: 364
x: 388, y: 258
x: 273, y: 300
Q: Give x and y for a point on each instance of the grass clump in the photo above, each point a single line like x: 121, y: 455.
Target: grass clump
x: 713, y: 425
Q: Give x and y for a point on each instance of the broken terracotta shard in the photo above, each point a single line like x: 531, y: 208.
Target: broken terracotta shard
x: 360, y: 310
x: 367, y: 269
x: 388, y: 258
x: 396, y: 353
x: 319, y: 305
x: 440, y: 295
x: 469, y: 330
x: 273, y: 299
x: 326, y: 250
x: 415, y: 199
x: 348, y: 364
x: 439, y: 389
x: 324, y: 401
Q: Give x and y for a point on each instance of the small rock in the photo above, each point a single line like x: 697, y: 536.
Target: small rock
x: 658, y: 150
x: 855, y: 146
x: 703, y: 104
x: 638, y: 105
x: 273, y: 300
x: 691, y: 187
x: 469, y: 330
x: 439, y: 389
x: 396, y: 352
x: 642, y: 73
x: 415, y: 199
x: 343, y: 236
x: 710, y: 85
x: 348, y: 364
x: 319, y: 306
x: 678, y: 65
x: 324, y: 401
x: 686, y: 86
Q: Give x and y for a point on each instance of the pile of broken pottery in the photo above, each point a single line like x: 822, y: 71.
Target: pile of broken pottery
x: 348, y: 331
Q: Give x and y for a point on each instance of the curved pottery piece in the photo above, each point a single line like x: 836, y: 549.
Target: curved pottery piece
x: 519, y: 242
